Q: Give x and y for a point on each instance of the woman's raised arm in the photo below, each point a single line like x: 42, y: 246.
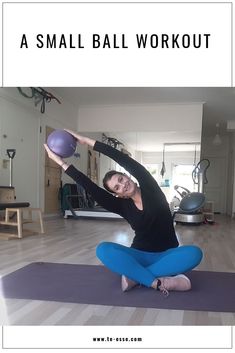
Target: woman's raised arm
x: 83, y: 140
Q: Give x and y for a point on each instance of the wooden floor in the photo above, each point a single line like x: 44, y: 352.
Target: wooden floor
x: 74, y: 241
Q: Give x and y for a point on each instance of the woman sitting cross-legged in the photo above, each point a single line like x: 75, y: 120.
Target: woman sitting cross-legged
x: 155, y: 258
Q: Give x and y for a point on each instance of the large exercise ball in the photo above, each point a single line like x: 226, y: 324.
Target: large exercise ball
x: 62, y: 143
x: 192, y: 202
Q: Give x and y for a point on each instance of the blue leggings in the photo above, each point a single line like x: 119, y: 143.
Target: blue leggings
x: 142, y: 266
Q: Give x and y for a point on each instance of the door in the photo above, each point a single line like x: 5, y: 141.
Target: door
x: 52, y: 182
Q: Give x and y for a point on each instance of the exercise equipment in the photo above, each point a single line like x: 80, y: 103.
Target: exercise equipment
x: 56, y: 282
x: 62, y: 143
x: 7, y: 200
x: 199, y: 174
x: 189, y: 209
x: 39, y: 95
x: 191, y: 204
x: 7, y: 193
x: 77, y: 203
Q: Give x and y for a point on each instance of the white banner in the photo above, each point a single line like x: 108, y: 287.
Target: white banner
x: 117, y: 44
x: 113, y: 337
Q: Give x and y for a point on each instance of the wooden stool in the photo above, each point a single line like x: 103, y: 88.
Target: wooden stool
x: 20, y: 220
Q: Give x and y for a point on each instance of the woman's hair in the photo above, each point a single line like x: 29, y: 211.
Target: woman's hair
x: 107, y: 177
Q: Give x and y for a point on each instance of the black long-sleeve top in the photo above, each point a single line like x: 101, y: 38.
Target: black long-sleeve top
x: 153, y: 225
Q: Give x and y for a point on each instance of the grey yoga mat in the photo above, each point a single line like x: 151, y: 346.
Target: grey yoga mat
x: 89, y: 284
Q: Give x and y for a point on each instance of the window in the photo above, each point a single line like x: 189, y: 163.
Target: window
x: 182, y: 176
x: 153, y: 170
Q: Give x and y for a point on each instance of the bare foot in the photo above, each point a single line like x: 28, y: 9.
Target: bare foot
x: 174, y: 283
x: 127, y: 283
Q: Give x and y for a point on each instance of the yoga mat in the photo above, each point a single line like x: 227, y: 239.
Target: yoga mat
x: 89, y: 284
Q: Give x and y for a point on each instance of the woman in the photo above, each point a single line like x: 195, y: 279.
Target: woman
x: 154, y: 258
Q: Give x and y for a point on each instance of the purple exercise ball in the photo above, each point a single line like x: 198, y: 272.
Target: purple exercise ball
x: 62, y: 143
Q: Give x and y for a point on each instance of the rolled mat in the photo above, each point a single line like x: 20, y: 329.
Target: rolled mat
x: 89, y: 284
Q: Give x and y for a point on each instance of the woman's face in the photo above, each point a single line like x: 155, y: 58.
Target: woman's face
x: 122, y: 185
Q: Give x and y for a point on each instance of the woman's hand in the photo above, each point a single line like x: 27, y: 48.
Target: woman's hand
x: 81, y: 139
x: 57, y: 159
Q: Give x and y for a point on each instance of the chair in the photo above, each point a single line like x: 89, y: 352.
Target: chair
x: 15, y: 213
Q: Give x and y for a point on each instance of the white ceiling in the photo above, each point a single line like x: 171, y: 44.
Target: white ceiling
x: 219, y: 106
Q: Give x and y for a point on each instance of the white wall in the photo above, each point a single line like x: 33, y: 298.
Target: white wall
x: 20, y: 120
x: 231, y: 175
x: 19, y: 129
x: 161, y: 118
x: 230, y: 182
x: 217, y: 174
